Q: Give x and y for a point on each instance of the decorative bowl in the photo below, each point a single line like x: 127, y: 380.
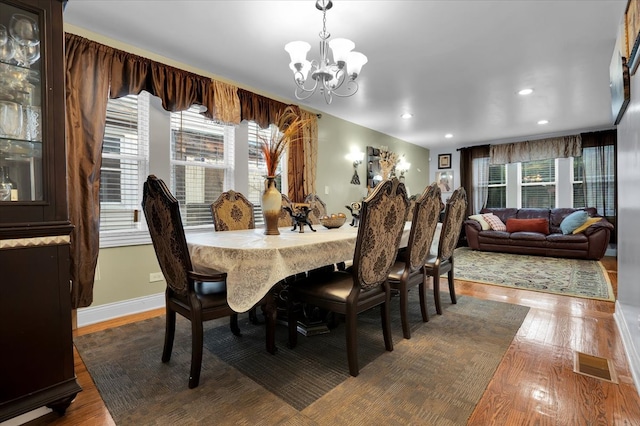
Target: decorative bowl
x: 333, y: 221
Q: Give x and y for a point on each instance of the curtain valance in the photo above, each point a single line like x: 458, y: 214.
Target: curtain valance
x: 542, y: 149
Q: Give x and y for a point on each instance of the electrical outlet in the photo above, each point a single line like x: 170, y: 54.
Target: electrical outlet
x: 155, y: 276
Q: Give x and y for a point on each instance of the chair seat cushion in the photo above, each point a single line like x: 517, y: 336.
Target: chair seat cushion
x: 211, y: 294
x: 335, y: 287
x: 395, y: 274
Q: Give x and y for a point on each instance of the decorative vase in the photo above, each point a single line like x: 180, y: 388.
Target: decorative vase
x: 271, y: 206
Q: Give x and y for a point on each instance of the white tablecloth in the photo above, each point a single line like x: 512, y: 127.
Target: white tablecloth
x: 254, y: 262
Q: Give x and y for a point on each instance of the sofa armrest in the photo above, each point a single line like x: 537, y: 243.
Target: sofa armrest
x: 598, y: 235
x: 603, y: 223
x: 472, y: 228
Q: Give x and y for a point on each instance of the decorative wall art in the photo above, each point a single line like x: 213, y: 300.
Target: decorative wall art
x: 444, y: 161
x: 445, y: 181
x: 632, y: 32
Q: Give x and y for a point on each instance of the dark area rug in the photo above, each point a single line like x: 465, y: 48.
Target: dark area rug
x: 125, y: 363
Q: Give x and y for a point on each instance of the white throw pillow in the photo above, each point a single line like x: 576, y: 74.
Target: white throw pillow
x: 483, y: 223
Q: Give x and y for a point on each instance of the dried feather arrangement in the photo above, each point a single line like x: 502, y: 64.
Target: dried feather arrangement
x: 287, y: 130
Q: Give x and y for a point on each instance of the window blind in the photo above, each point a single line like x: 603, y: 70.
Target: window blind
x: 538, y: 184
x: 124, y: 162
x: 202, y: 163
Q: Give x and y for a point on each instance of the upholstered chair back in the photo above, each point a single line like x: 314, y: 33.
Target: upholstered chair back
x: 232, y: 211
x: 285, y: 218
x: 162, y: 212
x: 317, y: 208
x: 382, y: 219
x: 454, y: 215
x: 426, y: 211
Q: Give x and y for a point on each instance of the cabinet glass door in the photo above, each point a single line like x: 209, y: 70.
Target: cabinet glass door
x: 20, y: 106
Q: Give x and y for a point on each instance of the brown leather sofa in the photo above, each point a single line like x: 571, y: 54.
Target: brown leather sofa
x: 589, y: 244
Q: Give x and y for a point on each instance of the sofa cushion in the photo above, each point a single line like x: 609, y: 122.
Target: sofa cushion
x: 528, y: 225
x: 532, y: 213
x: 502, y: 213
x: 495, y: 222
x: 483, y: 223
x: 573, y: 221
x: 590, y: 221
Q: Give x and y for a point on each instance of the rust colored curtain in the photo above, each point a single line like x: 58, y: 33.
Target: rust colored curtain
x: 87, y: 89
x: 227, y: 103
x: 257, y: 108
x: 303, y: 157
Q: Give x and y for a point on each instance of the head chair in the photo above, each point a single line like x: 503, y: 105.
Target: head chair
x: 232, y: 211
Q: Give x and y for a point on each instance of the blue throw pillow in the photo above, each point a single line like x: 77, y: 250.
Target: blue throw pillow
x: 573, y: 221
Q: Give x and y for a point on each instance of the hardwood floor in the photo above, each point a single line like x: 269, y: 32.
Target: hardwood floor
x: 534, y: 384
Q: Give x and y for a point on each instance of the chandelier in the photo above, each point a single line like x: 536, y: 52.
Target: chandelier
x: 333, y: 79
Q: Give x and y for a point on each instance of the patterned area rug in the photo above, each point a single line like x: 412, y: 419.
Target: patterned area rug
x: 569, y: 277
x: 437, y: 377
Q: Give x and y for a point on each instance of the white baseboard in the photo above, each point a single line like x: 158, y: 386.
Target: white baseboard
x: 627, y: 322
x: 27, y: 417
x: 93, y: 315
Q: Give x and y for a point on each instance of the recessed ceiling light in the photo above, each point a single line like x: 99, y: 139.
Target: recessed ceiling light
x: 525, y: 92
x: 406, y: 115
x: 448, y: 136
x: 543, y: 122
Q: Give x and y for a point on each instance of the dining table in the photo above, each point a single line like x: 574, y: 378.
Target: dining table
x: 255, y: 262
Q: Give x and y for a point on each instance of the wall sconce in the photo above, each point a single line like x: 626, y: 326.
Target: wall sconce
x: 356, y: 158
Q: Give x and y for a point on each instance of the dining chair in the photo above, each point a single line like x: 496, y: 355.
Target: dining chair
x: 408, y: 271
x: 232, y: 211
x: 198, y: 295
x: 317, y: 208
x: 437, y: 265
x: 285, y: 218
x: 365, y: 285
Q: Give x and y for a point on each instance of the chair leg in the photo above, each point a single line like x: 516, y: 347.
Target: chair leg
x: 253, y: 317
x: 352, y: 343
x: 169, y: 334
x: 196, y: 350
x: 452, y: 288
x: 270, y: 313
x: 233, y: 322
x: 292, y: 323
x: 386, y: 325
x: 404, y: 302
x: 422, y: 289
x: 436, y: 291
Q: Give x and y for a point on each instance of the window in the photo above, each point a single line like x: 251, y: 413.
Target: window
x: 497, y: 186
x: 538, y: 184
x: 593, y: 179
x: 202, y: 164
x: 124, y: 163
x: 258, y: 170
x: 577, y: 182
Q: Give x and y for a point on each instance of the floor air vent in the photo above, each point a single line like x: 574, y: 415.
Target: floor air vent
x: 594, y: 366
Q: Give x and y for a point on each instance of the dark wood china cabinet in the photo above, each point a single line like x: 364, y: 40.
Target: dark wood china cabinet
x: 36, y: 350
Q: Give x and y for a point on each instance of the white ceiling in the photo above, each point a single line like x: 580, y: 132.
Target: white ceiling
x: 456, y: 65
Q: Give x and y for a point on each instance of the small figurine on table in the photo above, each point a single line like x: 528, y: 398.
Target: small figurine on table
x: 354, y: 208
x: 300, y: 216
